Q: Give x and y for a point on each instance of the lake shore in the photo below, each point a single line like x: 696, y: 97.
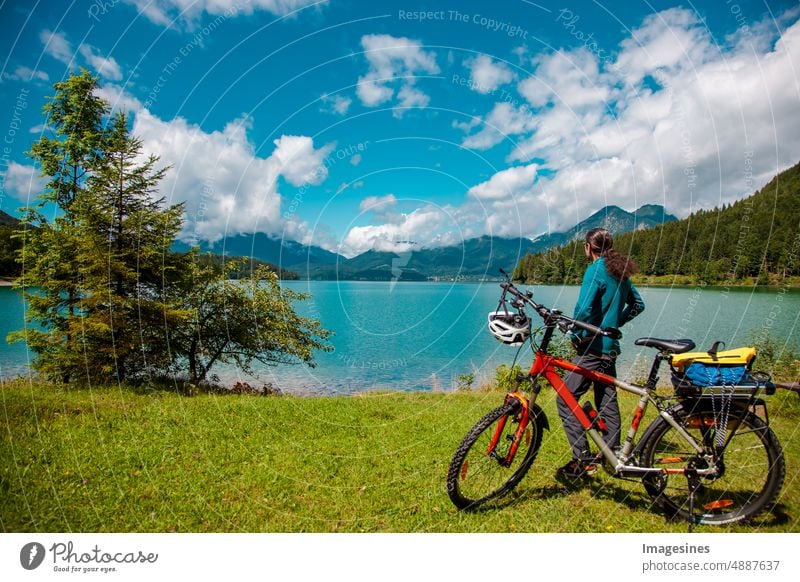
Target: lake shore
x: 679, y: 281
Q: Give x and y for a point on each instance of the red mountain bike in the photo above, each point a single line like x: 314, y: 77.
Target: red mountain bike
x: 706, y: 457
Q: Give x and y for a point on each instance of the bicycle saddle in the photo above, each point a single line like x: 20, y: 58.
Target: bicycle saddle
x: 676, y: 346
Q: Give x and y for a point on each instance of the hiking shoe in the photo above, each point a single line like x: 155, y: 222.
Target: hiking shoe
x: 576, y: 470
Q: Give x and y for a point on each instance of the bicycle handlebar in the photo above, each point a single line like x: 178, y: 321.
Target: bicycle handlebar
x: 555, y: 316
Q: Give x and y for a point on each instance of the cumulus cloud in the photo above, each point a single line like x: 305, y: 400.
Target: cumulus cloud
x: 487, y: 75
x: 22, y: 181
x: 228, y: 188
x: 571, y: 79
x: 671, y: 42
x: 506, y: 183
x: 118, y: 98
x: 378, y: 203
x: 394, y: 63
x: 23, y: 73
x: 383, y: 208
x: 166, y: 12
x: 338, y: 104
x: 57, y: 46
x: 105, y: 66
x: 419, y: 228
x: 503, y: 121
x: 670, y: 118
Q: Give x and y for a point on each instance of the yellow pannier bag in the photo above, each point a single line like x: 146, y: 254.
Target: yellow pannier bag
x: 736, y: 357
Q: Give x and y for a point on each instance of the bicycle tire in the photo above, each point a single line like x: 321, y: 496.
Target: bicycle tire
x: 753, y: 468
x: 475, y: 477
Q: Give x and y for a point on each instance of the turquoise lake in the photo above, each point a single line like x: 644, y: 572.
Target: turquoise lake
x: 421, y: 336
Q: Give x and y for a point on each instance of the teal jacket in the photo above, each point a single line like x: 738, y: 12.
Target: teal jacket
x: 606, y: 302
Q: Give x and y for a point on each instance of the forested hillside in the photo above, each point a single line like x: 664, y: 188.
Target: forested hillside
x: 9, y: 246
x: 754, y: 239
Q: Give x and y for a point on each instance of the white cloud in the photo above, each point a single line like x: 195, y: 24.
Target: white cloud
x: 383, y: 209
x: 372, y: 92
x: 486, y: 75
x: 410, y: 98
x: 227, y: 187
x: 356, y: 159
x: 673, y: 41
x: 506, y: 183
x: 671, y: 119
x: 394, y: 63
x: 422, y: 227
x: 118, y: 98
x: 22, y: 181
x: 57, y: 46
x: 467, y: 126
x: 105, y: 66
x: 338, y: 104
x: 165, y: 12
x: 378, y: 203
x: 23, y: 73
x: 572, y: 79
x: 505, y: 120
x: 297, y: 160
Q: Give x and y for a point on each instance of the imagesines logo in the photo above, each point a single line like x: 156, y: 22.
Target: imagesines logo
x: 31, y: 555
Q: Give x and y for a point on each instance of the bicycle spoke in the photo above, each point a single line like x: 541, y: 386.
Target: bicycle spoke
x: 485, y: 464
x: 736, y: 482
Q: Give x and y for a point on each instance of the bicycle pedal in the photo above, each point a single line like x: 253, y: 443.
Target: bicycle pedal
x: 592, y: 459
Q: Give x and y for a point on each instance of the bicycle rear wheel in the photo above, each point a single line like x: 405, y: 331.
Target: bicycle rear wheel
x: 750, y: 468
x: 477, y: 472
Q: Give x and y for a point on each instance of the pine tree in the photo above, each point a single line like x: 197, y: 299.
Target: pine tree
x: 48, y: 255
x: 124, y: 260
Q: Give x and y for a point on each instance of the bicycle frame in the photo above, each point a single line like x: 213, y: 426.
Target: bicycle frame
x: 546, y: 366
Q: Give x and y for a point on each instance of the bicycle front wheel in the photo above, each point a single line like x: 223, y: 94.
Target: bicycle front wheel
x: 746, y: 454
x: 478, y: 471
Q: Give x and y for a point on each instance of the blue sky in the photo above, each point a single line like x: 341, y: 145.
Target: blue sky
x: 388, y: 125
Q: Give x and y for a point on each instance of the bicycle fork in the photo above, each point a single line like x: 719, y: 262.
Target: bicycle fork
x: 518, y: 434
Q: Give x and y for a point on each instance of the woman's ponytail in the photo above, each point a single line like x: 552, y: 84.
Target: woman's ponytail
x: 602, y: 244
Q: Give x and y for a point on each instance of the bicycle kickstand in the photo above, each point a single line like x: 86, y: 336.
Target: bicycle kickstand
x: 693, y: 480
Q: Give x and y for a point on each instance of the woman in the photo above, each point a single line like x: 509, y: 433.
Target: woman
x: 607, y: 299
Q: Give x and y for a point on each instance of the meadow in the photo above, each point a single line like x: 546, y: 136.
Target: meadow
x: 119, y: 460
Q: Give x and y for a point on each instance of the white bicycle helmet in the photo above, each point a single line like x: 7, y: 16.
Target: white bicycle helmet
x: 510, y: 328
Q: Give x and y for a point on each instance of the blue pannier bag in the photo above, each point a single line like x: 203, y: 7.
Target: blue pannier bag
x: 702, y: 375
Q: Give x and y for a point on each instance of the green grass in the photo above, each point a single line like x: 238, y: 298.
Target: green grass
x: 111, y: 460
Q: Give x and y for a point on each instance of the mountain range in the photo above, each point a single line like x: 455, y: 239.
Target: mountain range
x: 474, y: 258
x: 8, y: 220
x: 752, y: 241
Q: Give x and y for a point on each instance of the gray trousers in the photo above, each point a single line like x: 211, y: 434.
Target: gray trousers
x: 605, y: 402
